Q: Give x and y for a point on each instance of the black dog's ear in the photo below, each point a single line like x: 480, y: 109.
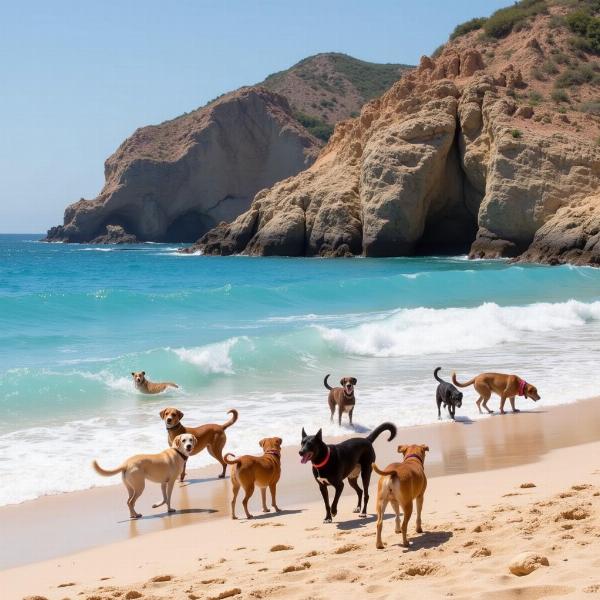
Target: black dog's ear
x: 144, y: 373
x: 319, y: 435
x: 303, y: 433
x: 354, y: 380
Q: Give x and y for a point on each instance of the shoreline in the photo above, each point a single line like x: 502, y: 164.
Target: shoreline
x: 456, y: 448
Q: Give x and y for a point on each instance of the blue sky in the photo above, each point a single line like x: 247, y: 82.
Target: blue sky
x: 76, y: 78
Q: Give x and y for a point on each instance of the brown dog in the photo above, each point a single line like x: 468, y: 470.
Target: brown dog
x: 210, y: 436
x: 263, y: 471
x: 400, y: 484
x: 506, y: 386
x: 147, y: 387
x: 342, y: 397
x: 161, y: 468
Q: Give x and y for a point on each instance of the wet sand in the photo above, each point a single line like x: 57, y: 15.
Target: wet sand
x: 55, y: 526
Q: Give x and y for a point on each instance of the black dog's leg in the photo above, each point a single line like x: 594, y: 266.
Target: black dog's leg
x: 354, y: 485
x: 338, y: 492
x: 365, y: 472
x: 452, y: 410
x: 325, y: 494
x: 439, y: 404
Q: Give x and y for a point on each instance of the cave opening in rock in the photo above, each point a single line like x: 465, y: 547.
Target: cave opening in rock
x: 126, y: 222
x: 448, y: 235
x: 189, y: 227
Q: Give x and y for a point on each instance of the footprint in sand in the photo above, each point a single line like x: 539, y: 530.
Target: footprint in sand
x: 293, y: 568
x: 527, y: 485
x: 580, y: 487
x: 226, y: 594
x: 61, y: 585
x: 161, y: 578
x: 346, y: 548
x: 280, y: 548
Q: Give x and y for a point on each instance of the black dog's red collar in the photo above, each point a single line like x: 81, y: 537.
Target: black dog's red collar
x: 324, y: 462
x: 181, y: 454
x: 414, y: 456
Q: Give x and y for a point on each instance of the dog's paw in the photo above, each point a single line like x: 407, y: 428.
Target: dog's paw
x: 137, y: 516
x: 172, y: 510
x: 515, y: 410
x: 356, y: 510
x: 266, y: 510
x: 379, y: 546
x: 222, y: 476
x: 363, y: 515
x: 327, y: 520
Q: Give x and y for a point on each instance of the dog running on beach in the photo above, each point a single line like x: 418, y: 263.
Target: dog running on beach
x: 263, y: 471
x: 161, y: 468
x: 400, y: 484
x: 447, y: 395
x: 148, y: 387
x: 211, y: 436
x: 505, y: 386
x: 342, y: 397
x: 332, y: 463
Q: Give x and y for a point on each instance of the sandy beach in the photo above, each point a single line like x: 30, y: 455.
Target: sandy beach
x: 477, y: 517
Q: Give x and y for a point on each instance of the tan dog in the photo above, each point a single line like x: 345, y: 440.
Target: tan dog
x: 263, y: 471
x: 147, y: 387
x: 506, y: 386
x: 210, y: 436
x: 400, y: 484
x: 161, y: 468
x: 342, y: 397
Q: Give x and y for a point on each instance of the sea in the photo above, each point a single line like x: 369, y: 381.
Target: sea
x: 259, y: 335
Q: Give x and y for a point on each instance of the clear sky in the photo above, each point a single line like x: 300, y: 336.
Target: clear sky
x: 78, y: 77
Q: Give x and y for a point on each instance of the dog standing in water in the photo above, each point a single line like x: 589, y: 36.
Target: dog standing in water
x: 447, y: 395
x: 148, y: 387
x: 342, y: 397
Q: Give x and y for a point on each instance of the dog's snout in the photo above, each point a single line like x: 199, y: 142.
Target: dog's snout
x: 188, y: 447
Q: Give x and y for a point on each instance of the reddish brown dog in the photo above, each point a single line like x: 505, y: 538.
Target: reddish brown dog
x: 262, y: 471
x: 506, y: 386
x: 342, y: 397
x: 400, y: 484
x: 210, y: 436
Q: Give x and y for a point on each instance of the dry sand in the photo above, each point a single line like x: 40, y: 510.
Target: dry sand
x: 476, y: 519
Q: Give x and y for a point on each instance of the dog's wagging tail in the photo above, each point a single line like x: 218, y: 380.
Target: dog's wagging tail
x: 380, y: 429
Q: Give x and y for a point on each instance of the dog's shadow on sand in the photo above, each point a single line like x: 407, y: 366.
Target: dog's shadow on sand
x: 188, y: 482
x: 356, y: 428
x: 273, y: 514
x: 358, y: 522
x: 162, y: 515
x: 426, y: 540
x: 464, y: 420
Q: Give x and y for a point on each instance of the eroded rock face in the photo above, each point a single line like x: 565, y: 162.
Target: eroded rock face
x: 435, y: 164
x: 173, y: 182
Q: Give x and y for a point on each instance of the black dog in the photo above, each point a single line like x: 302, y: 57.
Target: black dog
x: 335, y: 462
x: 447, y: 394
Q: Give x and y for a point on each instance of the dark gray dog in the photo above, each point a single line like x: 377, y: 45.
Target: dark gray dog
x: 447, y: 395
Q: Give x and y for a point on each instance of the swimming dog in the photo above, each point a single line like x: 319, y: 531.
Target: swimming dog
x: 161, y: 468
x: 400, y: 484
x: 210, y: 436
x: 263, y: 471
x: 342, y: 397
x: 147, y: 387
x: 447, y: 395
x: 506, y: 386
x: 332, y: 463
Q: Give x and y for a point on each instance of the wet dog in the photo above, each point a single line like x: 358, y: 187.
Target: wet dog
x: 147, y: 387
x: 400, y: 484
x: 333, y: 463
x: 262, y: 471
x: 447, y: 395
x: 342, y: 397
x: 506, y: 386
x: 210, y: 436
x: 162, y: 468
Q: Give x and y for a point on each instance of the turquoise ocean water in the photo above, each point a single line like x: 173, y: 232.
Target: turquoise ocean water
x: 259, y: 335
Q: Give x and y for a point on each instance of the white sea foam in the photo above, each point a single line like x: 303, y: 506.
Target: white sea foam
x: 428, y: 331
x: 212, y: 358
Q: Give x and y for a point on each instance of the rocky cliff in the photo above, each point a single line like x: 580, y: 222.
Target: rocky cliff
x: 490, y: 148
x: 174, y: 181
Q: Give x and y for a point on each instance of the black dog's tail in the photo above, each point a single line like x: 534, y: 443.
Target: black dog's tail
x: 435, y: 374
x: 379, y: 430
x: 325, y: 382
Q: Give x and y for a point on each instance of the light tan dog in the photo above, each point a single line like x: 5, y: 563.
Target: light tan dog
x: 342, y: 397
x: 506, y: 386
x: 210, y: 436
x: 147, y: 387
x: 161, y: 468
x: 400, y: 484
x: 262, y: 471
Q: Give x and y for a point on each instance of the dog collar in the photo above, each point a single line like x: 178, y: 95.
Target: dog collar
x: 273, y: 452
x: 181, y: 454
x: 414, y: 456
x: 325, y: 460
x: 172, y: 426
x: 522, y: 386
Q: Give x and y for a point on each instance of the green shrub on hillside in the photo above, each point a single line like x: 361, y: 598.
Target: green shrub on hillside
x: 559, y: 96
x: 574, y: 76
x: 318, y: 128
x: 592, y: 108
x: 516, y: 133
x: 503, y: 21
x: 467, y: 27
x: 586, y: 27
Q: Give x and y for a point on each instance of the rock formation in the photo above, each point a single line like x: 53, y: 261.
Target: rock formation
x: 446, y: 160
x: 174, y: 181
